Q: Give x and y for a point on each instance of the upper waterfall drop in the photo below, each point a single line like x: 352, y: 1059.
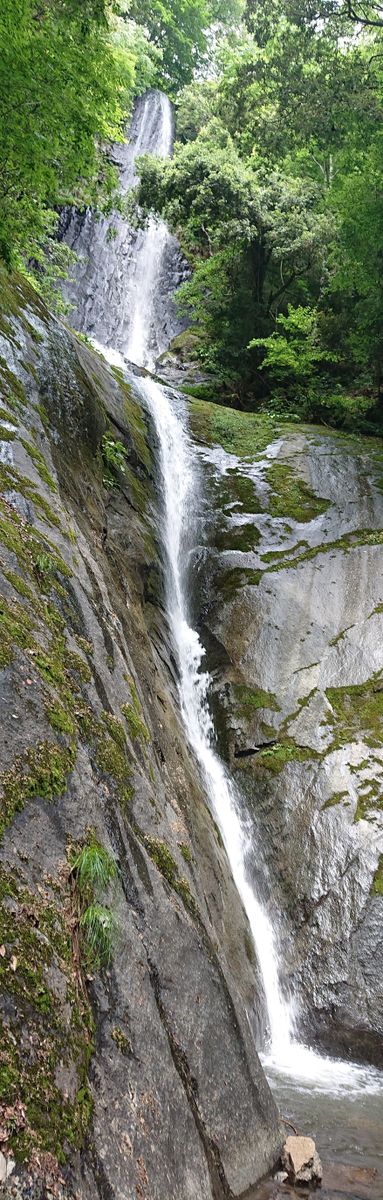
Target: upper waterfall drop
x: 129, y: 332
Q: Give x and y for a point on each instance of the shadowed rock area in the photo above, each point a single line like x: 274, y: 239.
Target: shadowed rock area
x: 137, y: 1076
x: 292, y: 602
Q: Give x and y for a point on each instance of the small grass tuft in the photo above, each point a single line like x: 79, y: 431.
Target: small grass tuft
x: 99, y: 926
x: 94, y: 868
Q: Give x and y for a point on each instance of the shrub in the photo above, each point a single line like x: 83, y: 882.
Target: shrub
x: 114, y: 456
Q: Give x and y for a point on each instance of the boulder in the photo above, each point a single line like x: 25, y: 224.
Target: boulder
x: 301, y: 1161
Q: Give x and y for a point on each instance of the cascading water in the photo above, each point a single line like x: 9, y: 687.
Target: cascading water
x: 138, y: 340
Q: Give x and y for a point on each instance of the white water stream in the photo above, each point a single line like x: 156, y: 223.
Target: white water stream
x: 180, y: 482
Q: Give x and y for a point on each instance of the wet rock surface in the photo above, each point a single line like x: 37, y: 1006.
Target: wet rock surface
x: 292, y: 610
x: 140, y: 1078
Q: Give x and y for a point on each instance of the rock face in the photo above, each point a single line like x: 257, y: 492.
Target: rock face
x: 102, y: 285
x: 292, y: 603
x: 136, y: 1078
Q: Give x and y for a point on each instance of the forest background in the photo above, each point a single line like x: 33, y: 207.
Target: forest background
x: 275, y: 190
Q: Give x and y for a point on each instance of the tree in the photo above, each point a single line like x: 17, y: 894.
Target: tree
x: 253, y: 245
x: 64, y: 87
x: 180, y: 28
x: 293, y: 353
x: 275, y: 195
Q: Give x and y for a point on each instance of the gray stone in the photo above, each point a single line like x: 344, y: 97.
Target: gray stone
x: 295, y: 633
x: 7, y: 1166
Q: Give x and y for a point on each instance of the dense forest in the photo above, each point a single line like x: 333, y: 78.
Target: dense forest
x: 274, y: 190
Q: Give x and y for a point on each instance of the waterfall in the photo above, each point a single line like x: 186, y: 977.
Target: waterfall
x: 139, y: 340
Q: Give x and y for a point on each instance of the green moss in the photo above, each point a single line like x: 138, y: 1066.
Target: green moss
x: 12, y: 480
x: 60, y: 720
x: 43, y: 415
x: 358, y: 537
x: 250, y: 699
x: 243, y: 434
x: 133, y: 715
x: 136, y: 726
x: 365, y: 762
x: 136, y: 426
x: 186, y: 853
x: 121, y: 1040
x: 135, y: 420
x: 7, y: 435
x: 40, y: 1034
x: 230, y: 582
x: 11, y: 387
x: 301, y: 704
x: 29, y: 545
x: 336, y: 798
x: 237, y: 493
x: 76, y: 663
x: 42, y: 771
x: 290, y: 496
x: 274, y: 758
x: 116, y: 729
x: 244, y: 538
x: 377, y: 883
x: 19, y: 584
x: 15, y: 629
x: 40, y: 464
x: 84, y: 645
x: 5, y: 415
x: 160, y: 854
x: 277, y: 555
x: 338, y: 638
x: 369, y: 802
x: 112, y: 760
x: 357, y: 710
x: 139, y: 491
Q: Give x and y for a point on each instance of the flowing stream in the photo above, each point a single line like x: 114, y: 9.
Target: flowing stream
x: 138, y: 339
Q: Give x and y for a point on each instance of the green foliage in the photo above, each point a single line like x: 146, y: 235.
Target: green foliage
x: 98, y: 926
x: 275, y: 191
x: 114, y: 455
x: 94, y: 868
x: 68, y: 73
x: 293, y: 352
x: 179, y: 28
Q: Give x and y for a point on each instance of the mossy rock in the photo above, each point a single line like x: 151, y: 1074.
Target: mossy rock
x: 243, y: 434
x: 41, y: 1040
x: 290, y: 496
x: 377, y: 883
